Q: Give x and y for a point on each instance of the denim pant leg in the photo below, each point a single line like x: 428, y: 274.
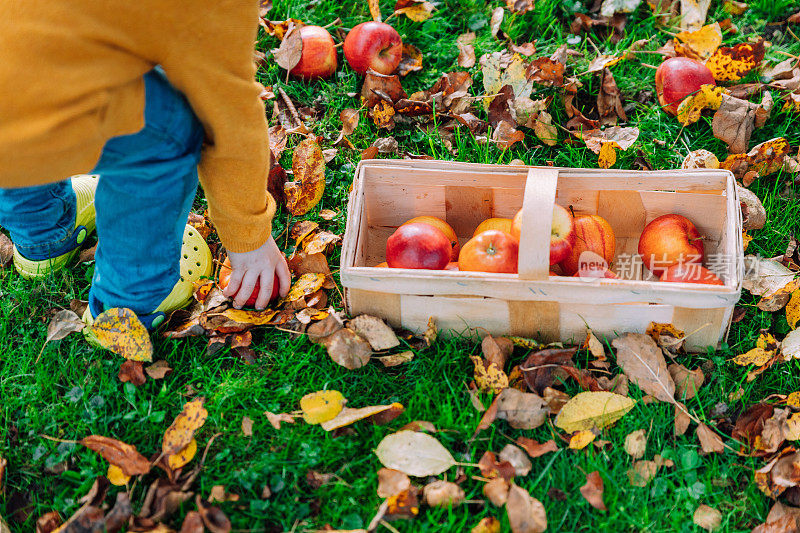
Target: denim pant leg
x: 40, y: 219
x: 148, y: 181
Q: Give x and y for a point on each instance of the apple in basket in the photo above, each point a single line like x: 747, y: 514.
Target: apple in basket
x: 690, y: 273
x: 490, y: 251
x: 562, y: 233
x: 373, y: 45
x: 418, y: 245
x: 592, y: 234
x: 500, y: 224
x: 445, y: 228
x: 669, y: 240
x: 318, y: 58
x: 225, y: 278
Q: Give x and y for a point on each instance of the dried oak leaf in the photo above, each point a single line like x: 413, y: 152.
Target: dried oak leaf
x: 734, y: 63
x: 308, y: 166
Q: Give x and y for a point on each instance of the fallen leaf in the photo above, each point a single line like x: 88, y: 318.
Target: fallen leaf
x: 396, y: 359
x: 764, y: 277
x: 183, y: 457
x: 348, y: 416
x: 118, y: 453
x: 416, y: 10
x: 692, y: 107
x: 636, y: 444
x: 374, y: 9
x: 466, y: 51
x: 693, y: 13
x: 6, y: 250
x: 276, y: 419
x: 707, y: 517
x: 593, y: 490
x: 247, y: 426
x: 443, y: 494
x: 536, y: 449
x: 321, y: 406
x: 308, y: 166
x: 609, y: 100
x: 734, y: 123
x: 790, y: 346
x: 687, y: 382
x: 491, y: 468
x: 618, y: 136
x: 496, y: 20
x: 489, y: 377
x: 375, y: 332
x: 218, y: 494
x: 497, y: 491
x: 116, y: 476
x: 709, y: 440
x: 391, y: 482
x: 644, y: 471
x: 682, y: 420
x: 588, y: 410
x: 345, y: 347
x: 511, y: 454
x: 581, y: 439
x: 521, y: 410
x: 416, y: 454
x: 411, y: 60
x: 488, y: 524
x: 643, y: 362
x: 700, y: 159
x: 213, y: 517
x: 506, y: 135
x: 120, y: 331
x: 158, y: 370
x: 519, y: 6
x: 734, y: 63
x: 62, y: 324
x: 699, y: 44
x: 181, y: 432
x: 132, y: 372
x: 754, y: 216
x: 525, y: 513
x: 288, y: 54
x: 766, y: 348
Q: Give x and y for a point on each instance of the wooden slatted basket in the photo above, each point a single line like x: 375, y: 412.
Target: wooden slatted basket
x: 387, y: 193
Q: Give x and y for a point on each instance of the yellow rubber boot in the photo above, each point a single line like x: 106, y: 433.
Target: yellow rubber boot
x: 84, y: 187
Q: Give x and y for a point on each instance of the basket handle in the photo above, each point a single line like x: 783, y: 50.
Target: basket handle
x: 537, y: 221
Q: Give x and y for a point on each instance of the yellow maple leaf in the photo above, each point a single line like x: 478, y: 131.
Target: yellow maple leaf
x: 699, y: 44
x: 708, y: 97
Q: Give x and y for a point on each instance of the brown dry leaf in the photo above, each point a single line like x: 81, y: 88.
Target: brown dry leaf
x: 517, y: 458
x: 411, y: 60
x: 118, y: 453
x: 492, y: 468
x: 288, y: 54
x: 443, y: 494
x: 218, y: 494
x: 644, y: 471
x: 636, y: 444
x: 643, y: 362
x: 396, y: 359
x: 700, y: 159
x: 734, y: 63
x: 62, y: 324
x: 778, y: 299
x: 383, y: 115
x: 667, y: 336
x: 119, y: 330
x: 693, y: 13
x: 488, y: 524
x: 414, y: 453
x: 700, y: 44
x: 213, y: 517
x: 545, y: 71
x: 391, y: 482
x: 247, y: 426
x: 279, y: 28
x: 525, y: 49
x: 348, y: 416
x: 6, y: 250
x: 466, y: 51
x: 47, y: 523
x: 133, y: 372
x: 347, y: 348
x: 276, y: 419
x: 181, y: 432
x: 687, y: 382
x: 682, y: 419
x: 416, y: 10
x: 709, y: 440
x: 496, y: 350
x: 754, y: 216
x: 308, y: 166
x: 521, y: 410
x: 506, y: 135
x: 536, y: 449
x: 320, y: 242
x: 609, y: 101
x: 707, y: 517
x: 496, y: 20
x: 519, y: 6
x: 525, y: 513
x: 375, y: 331
x: 381, y: 88
x: 158, y: 370
x: 301, y: 263
x: 328, y: 214
x: 593, y: 490
x: 497, y: 491
x: 374, y: 9
x: 306, y: 284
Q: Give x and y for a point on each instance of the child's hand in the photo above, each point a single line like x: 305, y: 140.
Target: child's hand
x: 261, y: 265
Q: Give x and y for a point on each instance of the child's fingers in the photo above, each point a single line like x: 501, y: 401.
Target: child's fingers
x: 248, y: 284
x: 234, y: 283
x: 265, y: 282
x: 285, y: 277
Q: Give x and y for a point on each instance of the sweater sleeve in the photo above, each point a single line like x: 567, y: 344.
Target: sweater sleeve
x: 211, y: 62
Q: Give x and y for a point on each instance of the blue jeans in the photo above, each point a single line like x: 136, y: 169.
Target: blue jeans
x: 148, y: 181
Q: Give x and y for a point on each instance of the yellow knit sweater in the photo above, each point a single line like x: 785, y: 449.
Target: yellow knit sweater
x: 71, y: 78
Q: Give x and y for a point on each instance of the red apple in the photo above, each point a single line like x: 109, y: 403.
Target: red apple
x: 446, y: 228
x: 418, y: 245
x: 318, y: 59
x: 669, y: 240
x: 490, y: 251
x: 225, y: 278
x: 562, y: 233
x: 677, y: 78
x: 593, y: 234
x: 690, y: 273
x: 373, y: 45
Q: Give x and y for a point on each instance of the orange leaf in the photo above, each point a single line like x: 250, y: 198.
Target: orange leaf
x: 308, y: 165
x: 118, y: 453
x: 733, y: 63
x: 180, y: 434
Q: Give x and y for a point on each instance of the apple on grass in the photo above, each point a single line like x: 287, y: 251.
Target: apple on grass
x: 418, y: 245
x: 669, y: 240
x: 562, y: 233
x: 490, y: 251
x: 373, y: 45
x: 225, y: 278
x: 318, y: 57
x: 444, y: 227
x: 677, y: 78
x: 592, y: 234
x: 690, y: 273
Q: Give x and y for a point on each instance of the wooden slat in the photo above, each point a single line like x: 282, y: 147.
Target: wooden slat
x: 537, y: 221
x: 540, y: 320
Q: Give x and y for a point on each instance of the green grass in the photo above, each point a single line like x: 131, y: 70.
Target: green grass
x: 73, y: 391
